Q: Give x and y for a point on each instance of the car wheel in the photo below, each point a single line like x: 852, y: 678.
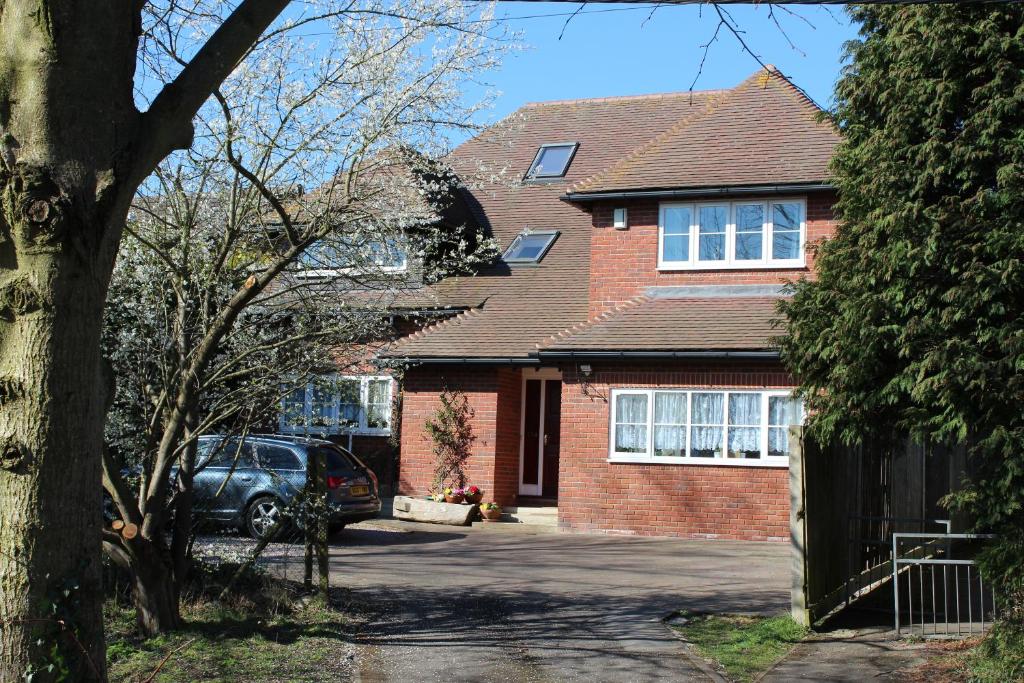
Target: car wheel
x: 263, y: 515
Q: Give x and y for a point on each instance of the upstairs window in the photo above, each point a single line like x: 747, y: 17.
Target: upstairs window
x: 322, y: 259
x: 530, y: 247
x: 552, y: 161
x: 742, y: 234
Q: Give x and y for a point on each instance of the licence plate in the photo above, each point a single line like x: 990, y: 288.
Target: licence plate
x: 359, y: 490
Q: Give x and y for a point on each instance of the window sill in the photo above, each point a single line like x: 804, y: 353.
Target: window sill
x: 700, y: 462
x: 715, y: 265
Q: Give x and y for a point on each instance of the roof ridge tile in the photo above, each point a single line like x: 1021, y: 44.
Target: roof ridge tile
x: 624, y: 98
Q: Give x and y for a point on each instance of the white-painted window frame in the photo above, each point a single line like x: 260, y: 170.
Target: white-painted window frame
x: 731, y: 263
x: 648, y: 456
x: 362, y: 429
x: 401, y: 243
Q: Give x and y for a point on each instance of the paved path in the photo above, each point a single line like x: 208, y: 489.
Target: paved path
x: 486, y: 605
x: 851, y: 655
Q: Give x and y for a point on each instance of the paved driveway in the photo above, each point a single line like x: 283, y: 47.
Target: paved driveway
x: 485, y: 605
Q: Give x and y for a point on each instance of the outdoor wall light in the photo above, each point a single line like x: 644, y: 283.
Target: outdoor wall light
x: 619, y: 221
x: 586, y: 369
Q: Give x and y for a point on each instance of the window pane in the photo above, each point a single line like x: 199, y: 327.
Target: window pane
x: 630, y: 438
x: 293, y: 407
x: 387, y: 253
x: 231, y: 454
x: 784, y: 411
x: 321, y: 406
x: 631, y: 423
x: 778, y: 441
x: 631, y: 408
x: 749, y: 226
x: 744, y: 442
x: 669, y: 441
x: 669, y: 423
x: 745, y: 409
x: 711, y: 234
x: 350, y: 408
x: 707, y: 413
x: 277, y: 458
x: 669, y: 407
x: 526, y: 248
x: 786, y: 230
x: 552, y: 161
x: 378, y: 391
x: 377, y: 416
x: 676, y: 233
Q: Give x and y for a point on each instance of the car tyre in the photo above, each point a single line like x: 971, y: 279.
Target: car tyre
x: 262, y: 515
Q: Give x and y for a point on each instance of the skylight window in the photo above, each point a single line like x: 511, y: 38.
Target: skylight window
x: 552, y: 161
x: 530, y: 247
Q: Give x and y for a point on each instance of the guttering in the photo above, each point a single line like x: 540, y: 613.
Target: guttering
x: 462, y: 361
x: 656, y: 355
x: 697, y: 192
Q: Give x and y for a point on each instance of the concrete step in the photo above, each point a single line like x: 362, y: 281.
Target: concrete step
x: 517, y: 527
x: 538, y: 516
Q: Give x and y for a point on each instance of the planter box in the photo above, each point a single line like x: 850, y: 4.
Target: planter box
x: 420, y: 510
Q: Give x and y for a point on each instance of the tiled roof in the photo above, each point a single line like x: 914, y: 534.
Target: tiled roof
x: 666, y: 324
x: 524, y: 304
x: 764, y: 131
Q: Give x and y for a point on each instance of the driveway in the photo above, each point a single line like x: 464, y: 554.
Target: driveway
x: 478, y: 604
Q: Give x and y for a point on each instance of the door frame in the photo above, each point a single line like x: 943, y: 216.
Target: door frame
x: 543, y: 374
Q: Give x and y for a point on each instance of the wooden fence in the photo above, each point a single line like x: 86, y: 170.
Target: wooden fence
x: 846, y: 502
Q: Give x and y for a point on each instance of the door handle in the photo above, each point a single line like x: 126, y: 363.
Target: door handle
x: 246, y: 477
x: 545, y: 439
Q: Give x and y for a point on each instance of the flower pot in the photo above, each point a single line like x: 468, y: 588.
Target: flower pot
x: 491, y: 515
x: 474, y: 498
x: 454, y: 498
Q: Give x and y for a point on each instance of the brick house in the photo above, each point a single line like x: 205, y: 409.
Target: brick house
x: 618, y: 357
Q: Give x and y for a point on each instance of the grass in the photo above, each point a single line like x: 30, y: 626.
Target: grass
x: 996, y: 658
x: 744, y: 646
x: 274, y: 637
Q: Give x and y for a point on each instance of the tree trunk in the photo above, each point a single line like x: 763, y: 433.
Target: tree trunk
x: 67, y: 116
x: 51, y: 429
x: 154, y: 592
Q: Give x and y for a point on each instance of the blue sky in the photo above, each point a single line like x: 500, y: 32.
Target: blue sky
x: 626, y: 51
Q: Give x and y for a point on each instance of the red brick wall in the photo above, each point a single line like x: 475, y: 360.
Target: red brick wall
x: 493, y: 394
x: 694, y: 501
x: 624, y: 262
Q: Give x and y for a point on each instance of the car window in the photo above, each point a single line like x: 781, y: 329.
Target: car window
x: 277, y: 458
x: 336, y: 459
x: 225, y: 455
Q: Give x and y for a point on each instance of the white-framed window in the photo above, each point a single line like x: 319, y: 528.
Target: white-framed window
x: 702, y: 426
x: 339, y: 405
x: 323, y: 259
x: 756, y: 233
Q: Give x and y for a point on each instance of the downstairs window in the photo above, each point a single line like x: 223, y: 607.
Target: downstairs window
x: 339, y: 405
x: 735, y: 427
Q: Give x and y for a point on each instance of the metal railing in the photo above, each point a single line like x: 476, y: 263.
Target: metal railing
x: 869, y: 549
x: 936, y: 590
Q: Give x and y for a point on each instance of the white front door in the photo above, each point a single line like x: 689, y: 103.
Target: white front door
x: 539, y: 432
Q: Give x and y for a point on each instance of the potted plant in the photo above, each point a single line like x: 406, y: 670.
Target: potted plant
x: 436, y: 497
x: 473, y: 494
x: 491, y: 512
x: 454, y: 495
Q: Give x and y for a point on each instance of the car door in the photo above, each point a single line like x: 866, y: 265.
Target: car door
x: 222, y: 484
x: 282, y: 469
